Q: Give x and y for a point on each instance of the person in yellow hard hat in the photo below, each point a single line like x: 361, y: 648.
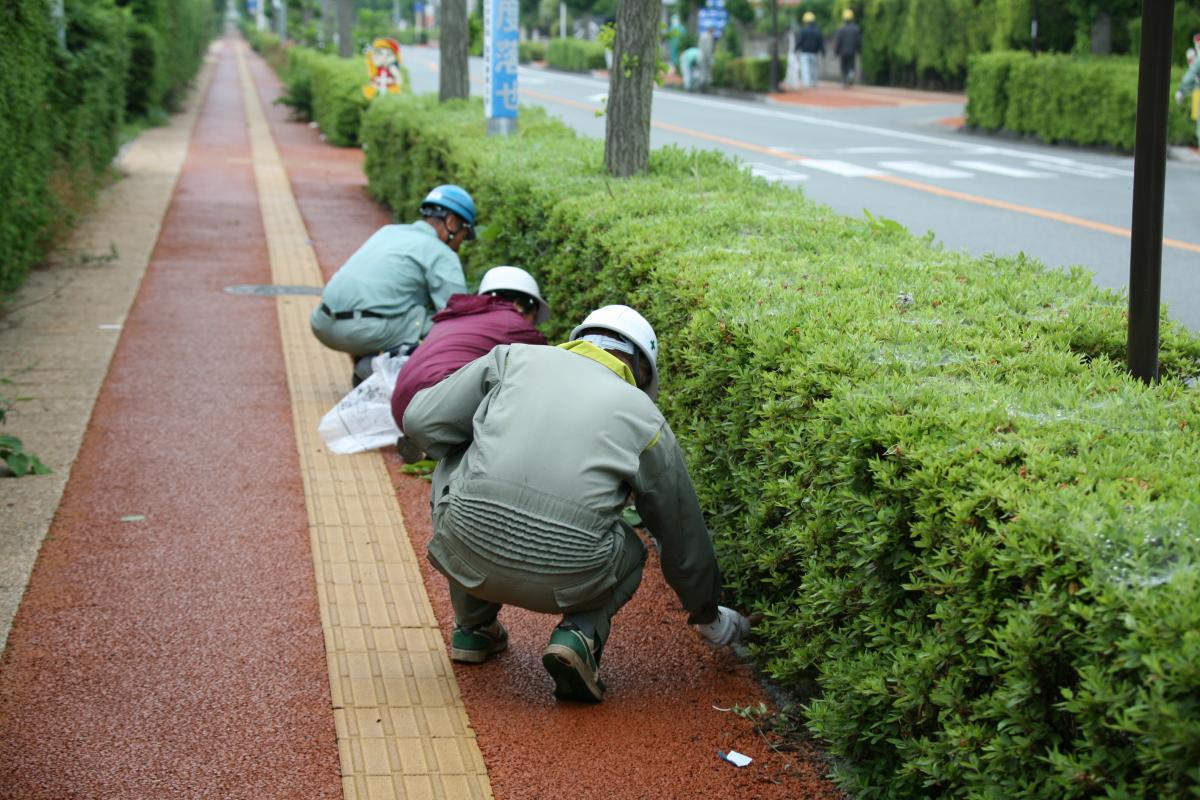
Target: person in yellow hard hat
x: 847, y: 44
x: 810, y: 44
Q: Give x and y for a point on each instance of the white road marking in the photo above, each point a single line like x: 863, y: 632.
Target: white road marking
x: 774, y: 173
x: 843, y: 168
x: 1081, y: 171
x: 877, y: 150
x: 924, y: 170
x: 1000, y: 169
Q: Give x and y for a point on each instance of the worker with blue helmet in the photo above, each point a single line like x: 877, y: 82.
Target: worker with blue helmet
x: 384, y: 297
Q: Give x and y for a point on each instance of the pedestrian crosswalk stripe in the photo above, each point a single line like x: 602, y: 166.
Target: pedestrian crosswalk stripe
x: 924, y: 170
x: 1080, y: 170
x: 1000, y: 169
x: 843, y: 168
x: 774, y: 173
x: 877, y: 150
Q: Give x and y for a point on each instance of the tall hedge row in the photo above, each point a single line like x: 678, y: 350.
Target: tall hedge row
x: 972, y: 536
x: 1057, y: 98
x: 575, y: 55
x: 64, y: 106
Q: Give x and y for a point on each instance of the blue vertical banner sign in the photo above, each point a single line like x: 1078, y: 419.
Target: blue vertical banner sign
x: 501, y: 33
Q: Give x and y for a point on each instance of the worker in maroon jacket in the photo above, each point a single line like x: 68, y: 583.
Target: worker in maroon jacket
x: 505, y: 311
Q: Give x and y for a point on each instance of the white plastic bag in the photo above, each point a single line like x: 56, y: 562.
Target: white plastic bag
x: 362, y: 420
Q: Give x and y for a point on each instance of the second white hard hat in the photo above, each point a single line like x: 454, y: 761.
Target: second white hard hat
x: 634, y: 327
x: 515, y: 279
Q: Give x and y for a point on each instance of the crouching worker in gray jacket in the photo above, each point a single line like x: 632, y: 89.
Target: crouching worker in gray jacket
x: 538, y: 448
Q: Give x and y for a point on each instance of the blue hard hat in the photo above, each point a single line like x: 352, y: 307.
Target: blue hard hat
x: 453, y: 198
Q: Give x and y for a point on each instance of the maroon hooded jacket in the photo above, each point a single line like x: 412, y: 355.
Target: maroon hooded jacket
x: 468, y: 327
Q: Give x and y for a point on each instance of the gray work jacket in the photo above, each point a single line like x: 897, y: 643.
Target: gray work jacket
x: 538, y: 449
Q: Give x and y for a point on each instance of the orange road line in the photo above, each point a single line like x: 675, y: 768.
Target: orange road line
x: 919, y: 186
x: 1055, y: 216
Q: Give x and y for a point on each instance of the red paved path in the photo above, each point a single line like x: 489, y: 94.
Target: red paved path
x: 181, y: 655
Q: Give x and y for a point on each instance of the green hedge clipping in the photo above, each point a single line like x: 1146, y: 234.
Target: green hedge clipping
x: 972, y: 536
x: 1062, y: 98
x: 575, y: 55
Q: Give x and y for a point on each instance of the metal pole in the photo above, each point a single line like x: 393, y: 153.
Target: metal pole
x: 1149, y: 178
x: 1033, y: 27
x: 562, y: 20
x: 773, y: 72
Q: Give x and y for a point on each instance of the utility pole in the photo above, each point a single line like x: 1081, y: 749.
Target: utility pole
x: 1149, y: 186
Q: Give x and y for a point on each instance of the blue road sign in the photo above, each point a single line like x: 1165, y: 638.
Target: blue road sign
x: 501, y: 30
x: 713, y: 19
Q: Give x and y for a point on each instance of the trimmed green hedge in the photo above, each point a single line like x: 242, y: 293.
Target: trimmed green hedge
x: 338, y: 99
x: 1084, y: 100
x: 64, y: 107
x: 531, y: 51
x: 971, y: 534
x: 745, y: 74
x: 320, y: 87
x: 26, y: 148
x: 575, y: 55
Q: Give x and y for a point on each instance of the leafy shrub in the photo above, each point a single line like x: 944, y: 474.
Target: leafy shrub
x: 575, y: 55
x: 298, y: 80
x: 1084, y: 100
x: 88, y: 98
x: 971, y: 535
x: 531, y: 51
x: 26, y: 150
x: 338, y: 100
x: 147, y: 82
x: 64, y: 106
x: 746, y: 74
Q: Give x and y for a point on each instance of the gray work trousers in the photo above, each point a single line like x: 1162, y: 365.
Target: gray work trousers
x: 363, y: 336
x: 543, y: 593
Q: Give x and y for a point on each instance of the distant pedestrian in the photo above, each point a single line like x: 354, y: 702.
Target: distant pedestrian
x: 811, y: 46
x: 689, y: 69
x: 847, y: 44
x: 791, y: 78
x: 382, y: 298
x: 1189, y: 88
x: 538, y: 450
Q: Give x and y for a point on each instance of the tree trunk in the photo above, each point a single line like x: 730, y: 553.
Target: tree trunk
x: 631, y: 88
x: 1101, y: 34
x: 454, y: 39
x: 345, y: 15
x: 328, y: 22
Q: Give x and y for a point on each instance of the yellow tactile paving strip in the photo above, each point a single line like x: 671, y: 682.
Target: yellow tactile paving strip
x: 401, y: 727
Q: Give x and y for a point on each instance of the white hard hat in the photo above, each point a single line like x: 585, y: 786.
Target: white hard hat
x: 634, y: 327
x: 515, y: 279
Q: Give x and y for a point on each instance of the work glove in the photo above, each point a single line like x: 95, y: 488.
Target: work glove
x: 728, y: 628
